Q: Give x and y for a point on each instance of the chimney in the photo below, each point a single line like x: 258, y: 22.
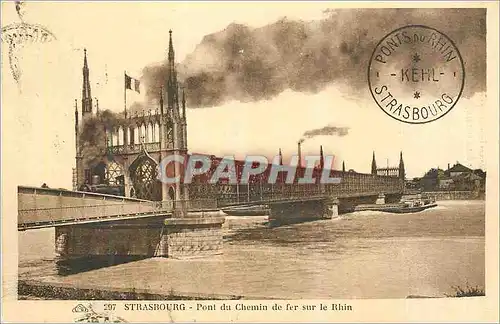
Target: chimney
x: 299, y: 153
x: 322, y: 158
x: 448, y: 166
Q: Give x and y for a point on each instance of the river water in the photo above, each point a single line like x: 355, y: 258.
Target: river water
x: 358, y: 255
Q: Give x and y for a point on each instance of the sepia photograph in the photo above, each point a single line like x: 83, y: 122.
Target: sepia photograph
x: 168, y: 158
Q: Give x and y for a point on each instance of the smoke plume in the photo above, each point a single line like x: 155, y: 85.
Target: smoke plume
x: 92, y: 140
x: 327, y: 130
x: 250, y: 64
x: 92, y: 137
x: 137, y: 108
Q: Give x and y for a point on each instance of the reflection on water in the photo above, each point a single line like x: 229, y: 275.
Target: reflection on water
x: 69, y: 267
x: 359, y: 255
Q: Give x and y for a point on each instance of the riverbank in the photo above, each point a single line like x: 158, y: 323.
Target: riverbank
x: 33, y: 289
x: 454, y: 195
x: 358, y: 255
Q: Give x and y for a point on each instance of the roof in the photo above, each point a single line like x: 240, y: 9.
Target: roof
x: 459, y: 168
x: 480, y: 173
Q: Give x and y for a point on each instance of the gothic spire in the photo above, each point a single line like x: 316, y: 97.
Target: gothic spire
x: 85, y: 65
x: 86, y: 95
x: 171, y: 53
x: 183, y: 104
x: 161, y: 100
x: 374, y: 164
x: 176, y: 100
x: 401, y: 166
x: 172, y: 77
x: 77, y: 144
x: 76, y: 115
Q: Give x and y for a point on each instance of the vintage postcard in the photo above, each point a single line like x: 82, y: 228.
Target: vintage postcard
x: 249, y: 161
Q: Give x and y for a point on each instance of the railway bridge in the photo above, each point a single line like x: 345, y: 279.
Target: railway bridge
x: 96, y: 224
x: 118, y: 206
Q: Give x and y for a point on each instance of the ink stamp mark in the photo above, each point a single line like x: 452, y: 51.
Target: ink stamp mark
x: 416, y: 74
x: 18, y: 35
x: 88, y: 315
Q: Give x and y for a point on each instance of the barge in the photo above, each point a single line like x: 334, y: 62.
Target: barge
x: 408, y: 204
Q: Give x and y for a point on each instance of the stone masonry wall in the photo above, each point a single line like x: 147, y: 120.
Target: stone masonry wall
x: 453, y: 195
x: 172, y: 238
x: 194, y: 241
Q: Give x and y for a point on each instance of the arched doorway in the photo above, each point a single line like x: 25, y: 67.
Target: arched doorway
x: 144, y: 176
x: 100, y: 171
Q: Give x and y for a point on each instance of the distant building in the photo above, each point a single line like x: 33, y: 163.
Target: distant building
x: 455, y: 178
x: 412, y: 184
x: 445, y: 184
x: 457, y: 170
x: 430, y: 181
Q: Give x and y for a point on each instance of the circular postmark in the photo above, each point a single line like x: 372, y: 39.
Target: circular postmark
x: 416, y: 74
x: 18, y: 35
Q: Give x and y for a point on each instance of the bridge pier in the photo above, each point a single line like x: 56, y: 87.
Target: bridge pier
x: 333, y: 208
x: 380, y: 199
x: 192, y: 236
x: 126, y: 238
x: 296, y: 211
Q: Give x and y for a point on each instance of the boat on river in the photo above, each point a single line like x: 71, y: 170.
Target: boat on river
x: 412, y: 209
x: 408, y: 204
x: 399, y: 208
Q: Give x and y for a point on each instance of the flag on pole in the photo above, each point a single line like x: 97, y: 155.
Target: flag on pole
x: 128, y: 83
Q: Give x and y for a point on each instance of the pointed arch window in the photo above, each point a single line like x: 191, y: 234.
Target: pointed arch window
x: 144, y: 176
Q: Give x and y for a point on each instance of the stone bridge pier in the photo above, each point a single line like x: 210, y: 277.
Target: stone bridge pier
x: 197, y: 234
x: 109, y: 241
x: 290, y: 212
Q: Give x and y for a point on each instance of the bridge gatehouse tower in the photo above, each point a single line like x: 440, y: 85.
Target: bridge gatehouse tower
x: 119, y: 153
x: 395, y: 172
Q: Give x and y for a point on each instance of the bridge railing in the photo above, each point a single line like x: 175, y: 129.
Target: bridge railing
x: 63, y: 214
x: 51, y: 206
x: 63, y: 194
x: 350, y: 185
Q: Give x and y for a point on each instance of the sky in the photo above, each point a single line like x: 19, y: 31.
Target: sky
x: 37, y: 115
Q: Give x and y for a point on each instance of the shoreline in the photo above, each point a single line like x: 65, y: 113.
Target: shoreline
x: 404, y: 244
x: 37, y: 289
